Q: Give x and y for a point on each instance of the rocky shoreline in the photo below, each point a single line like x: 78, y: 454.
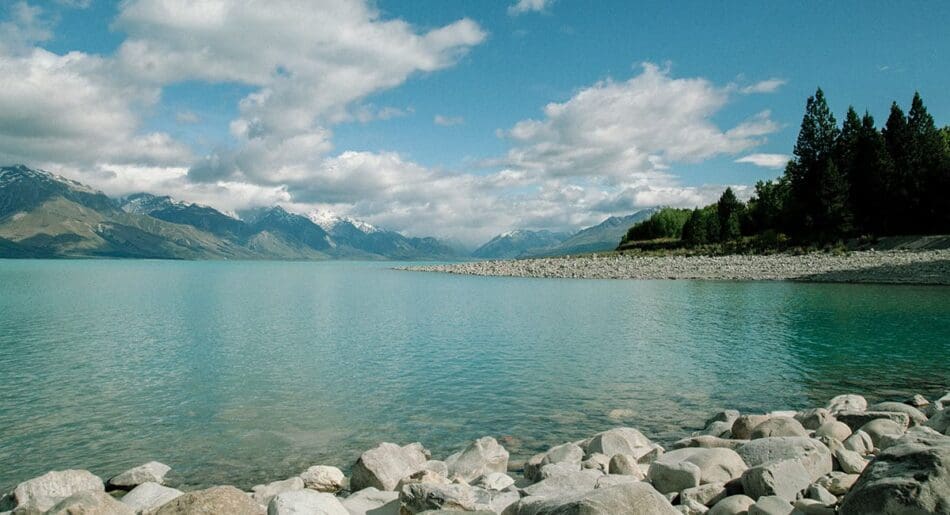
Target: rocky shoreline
x: 846, y: 457
x: 887, y: 267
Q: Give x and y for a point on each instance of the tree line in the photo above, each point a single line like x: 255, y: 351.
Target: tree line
x: 849, y: 181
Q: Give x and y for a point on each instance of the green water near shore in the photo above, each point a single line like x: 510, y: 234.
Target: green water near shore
x: 248, y: 372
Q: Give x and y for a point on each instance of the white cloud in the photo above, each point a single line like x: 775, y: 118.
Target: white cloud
x: 525, y: 6
x: 765, y: 86
x: 25, y: 27
x: 187, y: 117
x: 448, y: 121
x: 774, y: 161
x: 633, y: 130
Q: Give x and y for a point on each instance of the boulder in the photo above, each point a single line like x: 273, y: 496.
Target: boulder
x: 90, y: 502
x: 425, y: 476
x: 908, y: 478
x: 771, y: 505
x: 778, y: 426
x: 940, y: 422
x: 495, y: 481
x: 43, y: 492
x: 306, y: 502
x: 629, y: 498
x: 621, y: 440
x: 847, y: 403
x: 575, y: 482
x: 625, y: 465
x: 850, y: 462
x: 264, y: 493
x: 732, y: 505
x: 785, y: 479
x: 743, y: 426
x: 372, y: 501
x: 218, y: 499
x: 148, y: 497
x: 479, y: 458
x: 597, y: 461
x: 838, y: 483
x: 856, y: 420
x: 821, y: 494
x: 495, y: 501
x: 383, y: 466
x: 813, y: 455
x: 916, y: 416
x: 691, y: 507
x: 614, y: 480
x: 708, y: 442
x: 151, y: 472
x: 917, y: 401
x: 813, y: 418
x: 558, y: 469
x: 880, y: 427
x: 566, y: 453
x: 323, y: 478
x: 685, y: 468
x: 706, y: 495
x: 811, y: 507
x: 943, y: 402
x: 833, y: 429
x: 439, y: 467
x: 420, y: 497
x: 720, y: 424
x: 859, y: 442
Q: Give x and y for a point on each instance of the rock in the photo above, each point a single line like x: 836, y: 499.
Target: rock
x: 218, y: 499
x: 372, y: 501
x: 743, y: 426
x: 771, y: 505
x: 479, y: 458
x: 264, y: 493
x: 324, y: 479
x: 614, y: 480
x: 574, y: 482
x: 856, y: 420
x: 151, y: 472
x: 811, y: 507
x: 558, y: 469
x: 859, y: 442
x: 495, y: 501
x: 838, y: 483
x: 706, y: 495
x: 720, y: 424
x: 630, y: 498
x: 813, y: 418
x: 732, y: 505
x: 425, y: 476
x: 821, y: 494
x: 691, y: 507
x: 708, y: 442
x: 778, y: 426
x: 943, y: 402
x: 419, y: 497
x: 621, y: 440
x: 917, y: 401
x: 877, y: 428
x: 495, y: 481
x: 566, y: 453
x: 908, y: 478
x: 597, y: 461
x: 813, y: 455
x: 785, y: 479
x: 383, y: 466
x: 675, y: 476
x: 834, y: 429
x: 940, y: 422
x: 43, y: 492
x: 847, y: 403
x: 306, y: 502
x: 90, y: 502
x: 148, y: 497
x: 439, y: 467
x: 916, y: 416
x: 621, y: 414
x: 624, y: 465
x: 850, y: 462
x: 685, y: 468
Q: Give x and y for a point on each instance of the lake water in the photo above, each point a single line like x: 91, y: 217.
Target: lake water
x: 249, y: 372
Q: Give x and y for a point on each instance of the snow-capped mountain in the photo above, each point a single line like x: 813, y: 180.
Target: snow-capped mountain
x: 518, y: 243
x: 329, y: 221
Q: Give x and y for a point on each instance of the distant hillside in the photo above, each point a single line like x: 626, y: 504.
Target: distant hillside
x: 599, y: 238
x: 520, y: 243
x: 44, y: 215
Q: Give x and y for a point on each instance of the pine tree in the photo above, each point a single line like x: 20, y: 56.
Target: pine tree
x: 816, y: 144
x: 834, y: 219
x: 927, y: 171
x: 694, y: 232
x: 899, y: 182
x: 729, y: 211
x: 869, y: 171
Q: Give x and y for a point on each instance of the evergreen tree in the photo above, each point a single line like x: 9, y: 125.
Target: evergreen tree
x: 834, y: 218
x: 898, y: 141
x: 870, y: 167
x: 694, y: 232
x: 768, y: 207
x: 729, y: 211
x: 927, y: 172
x: 816, y: 144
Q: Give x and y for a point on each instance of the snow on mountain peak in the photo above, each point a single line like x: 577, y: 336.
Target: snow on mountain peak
x: 327, y: 220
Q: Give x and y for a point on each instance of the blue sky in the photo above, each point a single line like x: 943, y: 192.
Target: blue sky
x: 429, y: 116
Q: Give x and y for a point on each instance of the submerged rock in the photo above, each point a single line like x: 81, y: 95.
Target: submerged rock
x: 151, y: 472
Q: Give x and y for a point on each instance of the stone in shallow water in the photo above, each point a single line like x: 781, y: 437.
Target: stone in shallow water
x: 743, y: 426
x: 323, y: 479
x: 386, y: 464
x: 847, y: 402
x: 90, y: 503
x: 813, y: 418
x: 621, y: 440
x: 479, y: 458
x: 218, y: 499
x: 149, y: 496
x: 264, y: 493
x: 43, y: 492
x: 151, y: 472
x: 778, y: 426
x: 565, y: 453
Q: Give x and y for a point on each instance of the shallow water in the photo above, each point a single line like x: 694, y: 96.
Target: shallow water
x: 249, y: 372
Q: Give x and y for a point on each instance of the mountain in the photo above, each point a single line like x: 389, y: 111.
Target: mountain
x: 515, y: 244
x: 44, y: 215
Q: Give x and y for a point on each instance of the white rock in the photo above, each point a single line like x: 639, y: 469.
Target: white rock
x: 621, y: 440
x: 383, y: 466
x: 90, y: 503
x: 151, y: 472
x: 732, y: 505
x: 149, y: 496
x: 372, y: 501
x: 305, y: 502
x: 323, y: 479
x: 668, y: 473
x: 847, y: 403
x: 479, y: 458
x: 785, y: 479
x: 264, y: 493
x: 43, y: 492
x: 495, y: 481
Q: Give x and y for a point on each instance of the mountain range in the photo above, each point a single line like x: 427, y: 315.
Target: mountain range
x: 48, y: 216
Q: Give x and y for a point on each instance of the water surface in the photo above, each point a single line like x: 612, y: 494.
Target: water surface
x: 249, y: 372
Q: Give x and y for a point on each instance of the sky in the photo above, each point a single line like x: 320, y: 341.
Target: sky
x: 453, y: 118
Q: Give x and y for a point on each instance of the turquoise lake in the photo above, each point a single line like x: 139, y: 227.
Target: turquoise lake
x: 248, y: 372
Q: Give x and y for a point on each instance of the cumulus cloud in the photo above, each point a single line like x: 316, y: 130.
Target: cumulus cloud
x: 765, y: 86
x: 526, y: 6
x: 448, y: 121
x: 26, y: 26
x: 187, y: 117
x: 774, y: 161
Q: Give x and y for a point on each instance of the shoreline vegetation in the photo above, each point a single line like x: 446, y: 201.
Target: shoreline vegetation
x: 846, y: 457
